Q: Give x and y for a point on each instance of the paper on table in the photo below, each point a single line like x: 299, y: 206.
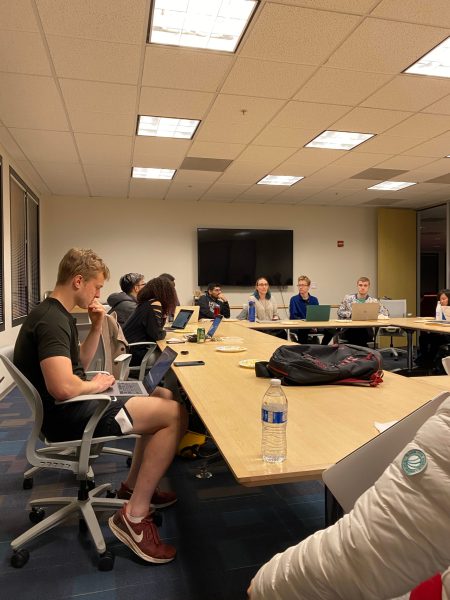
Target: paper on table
x: 175, y: 340
x: 383, y: 426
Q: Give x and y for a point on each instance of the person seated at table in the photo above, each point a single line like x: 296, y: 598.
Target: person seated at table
x: 297, y: 310
x: 431, y: 341
x: 359, y: 336
x: 171, y: 278
x: 265, y: 306
x: 155, y: 301
x: 123, y: 303
x: 213, y: 302
x: 393, y: 540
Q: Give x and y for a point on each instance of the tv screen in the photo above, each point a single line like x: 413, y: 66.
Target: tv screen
x: 237, y: 257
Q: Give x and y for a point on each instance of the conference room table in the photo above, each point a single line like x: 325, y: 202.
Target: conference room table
x: 325, y: 423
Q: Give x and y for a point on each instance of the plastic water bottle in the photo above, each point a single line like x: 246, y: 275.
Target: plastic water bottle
x: 251, y: 311
x: 274, y: 423
x: 438, y: 311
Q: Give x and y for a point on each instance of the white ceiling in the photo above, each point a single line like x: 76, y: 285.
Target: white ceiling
x: 75, y: 75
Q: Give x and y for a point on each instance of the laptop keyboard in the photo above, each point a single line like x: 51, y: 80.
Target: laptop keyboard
x: 129, y: 388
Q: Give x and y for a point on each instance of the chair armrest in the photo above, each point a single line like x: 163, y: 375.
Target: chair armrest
x: 149, y: 344
x: 124, y: 361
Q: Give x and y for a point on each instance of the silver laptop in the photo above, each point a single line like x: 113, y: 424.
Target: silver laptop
x: 349, y: 478
x: 150, y: 381
x: 365, y: 311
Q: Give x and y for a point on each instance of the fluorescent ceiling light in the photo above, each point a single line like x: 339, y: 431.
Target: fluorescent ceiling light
x: 391, y: 186
x: 278, y: 180
x: 436, y: 63
x: 339, y: 140
x: 145, y: 173
x: 167, y: 127
x: 209, y: 24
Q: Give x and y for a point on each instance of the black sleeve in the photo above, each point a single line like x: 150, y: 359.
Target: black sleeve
x: 225, y: 310
x: 154, y: 323
x: 205, y: 311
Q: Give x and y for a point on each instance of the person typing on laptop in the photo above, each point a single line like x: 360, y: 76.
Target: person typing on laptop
x: 359, y: 336
x: 48, y: 353
x: 297, y: 310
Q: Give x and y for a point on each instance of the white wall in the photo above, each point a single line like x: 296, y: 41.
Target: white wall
x: 152, y: 237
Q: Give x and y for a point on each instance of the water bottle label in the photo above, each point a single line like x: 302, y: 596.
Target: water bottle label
x: 270, y: 416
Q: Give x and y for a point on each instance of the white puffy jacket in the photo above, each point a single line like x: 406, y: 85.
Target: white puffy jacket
x: 396, y: 536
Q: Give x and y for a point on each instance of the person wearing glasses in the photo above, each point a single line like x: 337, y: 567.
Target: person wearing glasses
x: 213, y: 302
x: 124, y: 303
x: 297, y: 310
x: 265, y: 305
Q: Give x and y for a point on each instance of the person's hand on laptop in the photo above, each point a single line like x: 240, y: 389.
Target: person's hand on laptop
x: 102, y: 381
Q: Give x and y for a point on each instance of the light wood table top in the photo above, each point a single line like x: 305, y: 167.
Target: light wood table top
x: 297, y: 324
x: 440, y: 381
x: 325, y: 423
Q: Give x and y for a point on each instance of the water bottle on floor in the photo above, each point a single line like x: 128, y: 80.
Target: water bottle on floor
x: 274, y: 423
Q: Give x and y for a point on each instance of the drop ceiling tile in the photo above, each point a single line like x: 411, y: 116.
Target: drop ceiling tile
x: 118, y: 21
x: 182, y: 191
x: 23, y: 52
x: 44, y: 112
x: 312, y: 159
x: 409, y: 92
x: 260, y: 193
x: 203, y: 178
x: 244, y: 173
x: 94, y: 96
x: 387, y: 144
x: 228, y: 109
x: 431, y: 171
x: 264, y: 78
x: 437, y: 147
x: 161, y: 153
x: 196, y: 163
x: 382, y: 201
x: 378, y: 173
x: 405, y: 162
x: 441, y: 179
x: 29, y: 174
x: 48, y: 146
x: 306, y: 115
x: 286, y: 136
x: 266, y: 154
x: 111, y: 150
x: 308, y: 35
x: 152, y: 189
x: 184, y: 68
x: 441, y: 107
x: 422, y: 126
x: 107, y: 180
x: 18, y: 16
x: 214, y: 200
x: 348, y: 87
x: 215, y: 150
x: 374, y: 46
x: 63, y: 179
x: 224, y: 192
x: 98, y: 61
x: 171, y: 103
x: 435, y: 13
x: 10, y: 145
x: 227, y: 133
x: 105, y: 123
x: 361, y: 7
x: 372, y: 120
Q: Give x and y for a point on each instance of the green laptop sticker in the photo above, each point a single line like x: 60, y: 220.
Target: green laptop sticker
x: 414, y: 462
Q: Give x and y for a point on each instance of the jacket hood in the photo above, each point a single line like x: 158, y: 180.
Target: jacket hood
x: 119, y: 297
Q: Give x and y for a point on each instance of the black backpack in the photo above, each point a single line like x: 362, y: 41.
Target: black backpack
x: 315, y: 364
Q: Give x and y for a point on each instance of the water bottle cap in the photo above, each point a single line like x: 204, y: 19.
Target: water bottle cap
x: 275, y: 382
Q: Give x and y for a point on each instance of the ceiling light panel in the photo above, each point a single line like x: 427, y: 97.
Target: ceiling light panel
x: 279, y: 180
x: 208, y: 24
x: 339, y: 140
x: 167, y: 127
x: 392, y: 186
x: 435, y: 64
x: 148, y: 173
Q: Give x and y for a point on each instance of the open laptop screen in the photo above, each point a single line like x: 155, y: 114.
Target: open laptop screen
x: 182, y: 319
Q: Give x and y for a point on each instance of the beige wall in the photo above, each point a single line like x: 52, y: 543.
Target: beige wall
x: 153, y: 237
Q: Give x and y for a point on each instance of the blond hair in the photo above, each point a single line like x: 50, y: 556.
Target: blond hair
x: 80, y: 261
x: 363, y: 280
x: 304, y: 278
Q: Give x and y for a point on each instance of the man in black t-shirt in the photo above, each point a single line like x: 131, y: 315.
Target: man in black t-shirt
x: 49, y: 355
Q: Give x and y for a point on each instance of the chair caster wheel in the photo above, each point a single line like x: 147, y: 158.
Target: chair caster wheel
x: 36, y: 515
x: 27, y: 483
x: 129, y: 461
x: 106, y: 561
x: 82, y: 527
x: 111, y: 493
x: 19, y: 558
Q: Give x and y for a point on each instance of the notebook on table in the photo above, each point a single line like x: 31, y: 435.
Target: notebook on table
x: 181, y: 320
x: 150, y: 381
x: 195, y: 314
x: 318, y: 312
x: 365, y: 311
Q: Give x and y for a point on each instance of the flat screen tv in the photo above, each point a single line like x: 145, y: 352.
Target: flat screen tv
x: 236, y: 257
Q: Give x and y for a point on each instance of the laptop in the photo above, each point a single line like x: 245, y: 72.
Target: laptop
x: 357, y: 472
x: 150, y: 381
x: 181, y: 320
x: 319, y: 312
x: 195, y: 314
x: 365, y: 311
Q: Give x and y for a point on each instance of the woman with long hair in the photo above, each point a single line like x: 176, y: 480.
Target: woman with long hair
x: 155, y: 301
x: 265, y: 305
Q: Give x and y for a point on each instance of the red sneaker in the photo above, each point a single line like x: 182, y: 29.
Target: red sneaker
x: 159, y: 499
x: 142, y: 538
